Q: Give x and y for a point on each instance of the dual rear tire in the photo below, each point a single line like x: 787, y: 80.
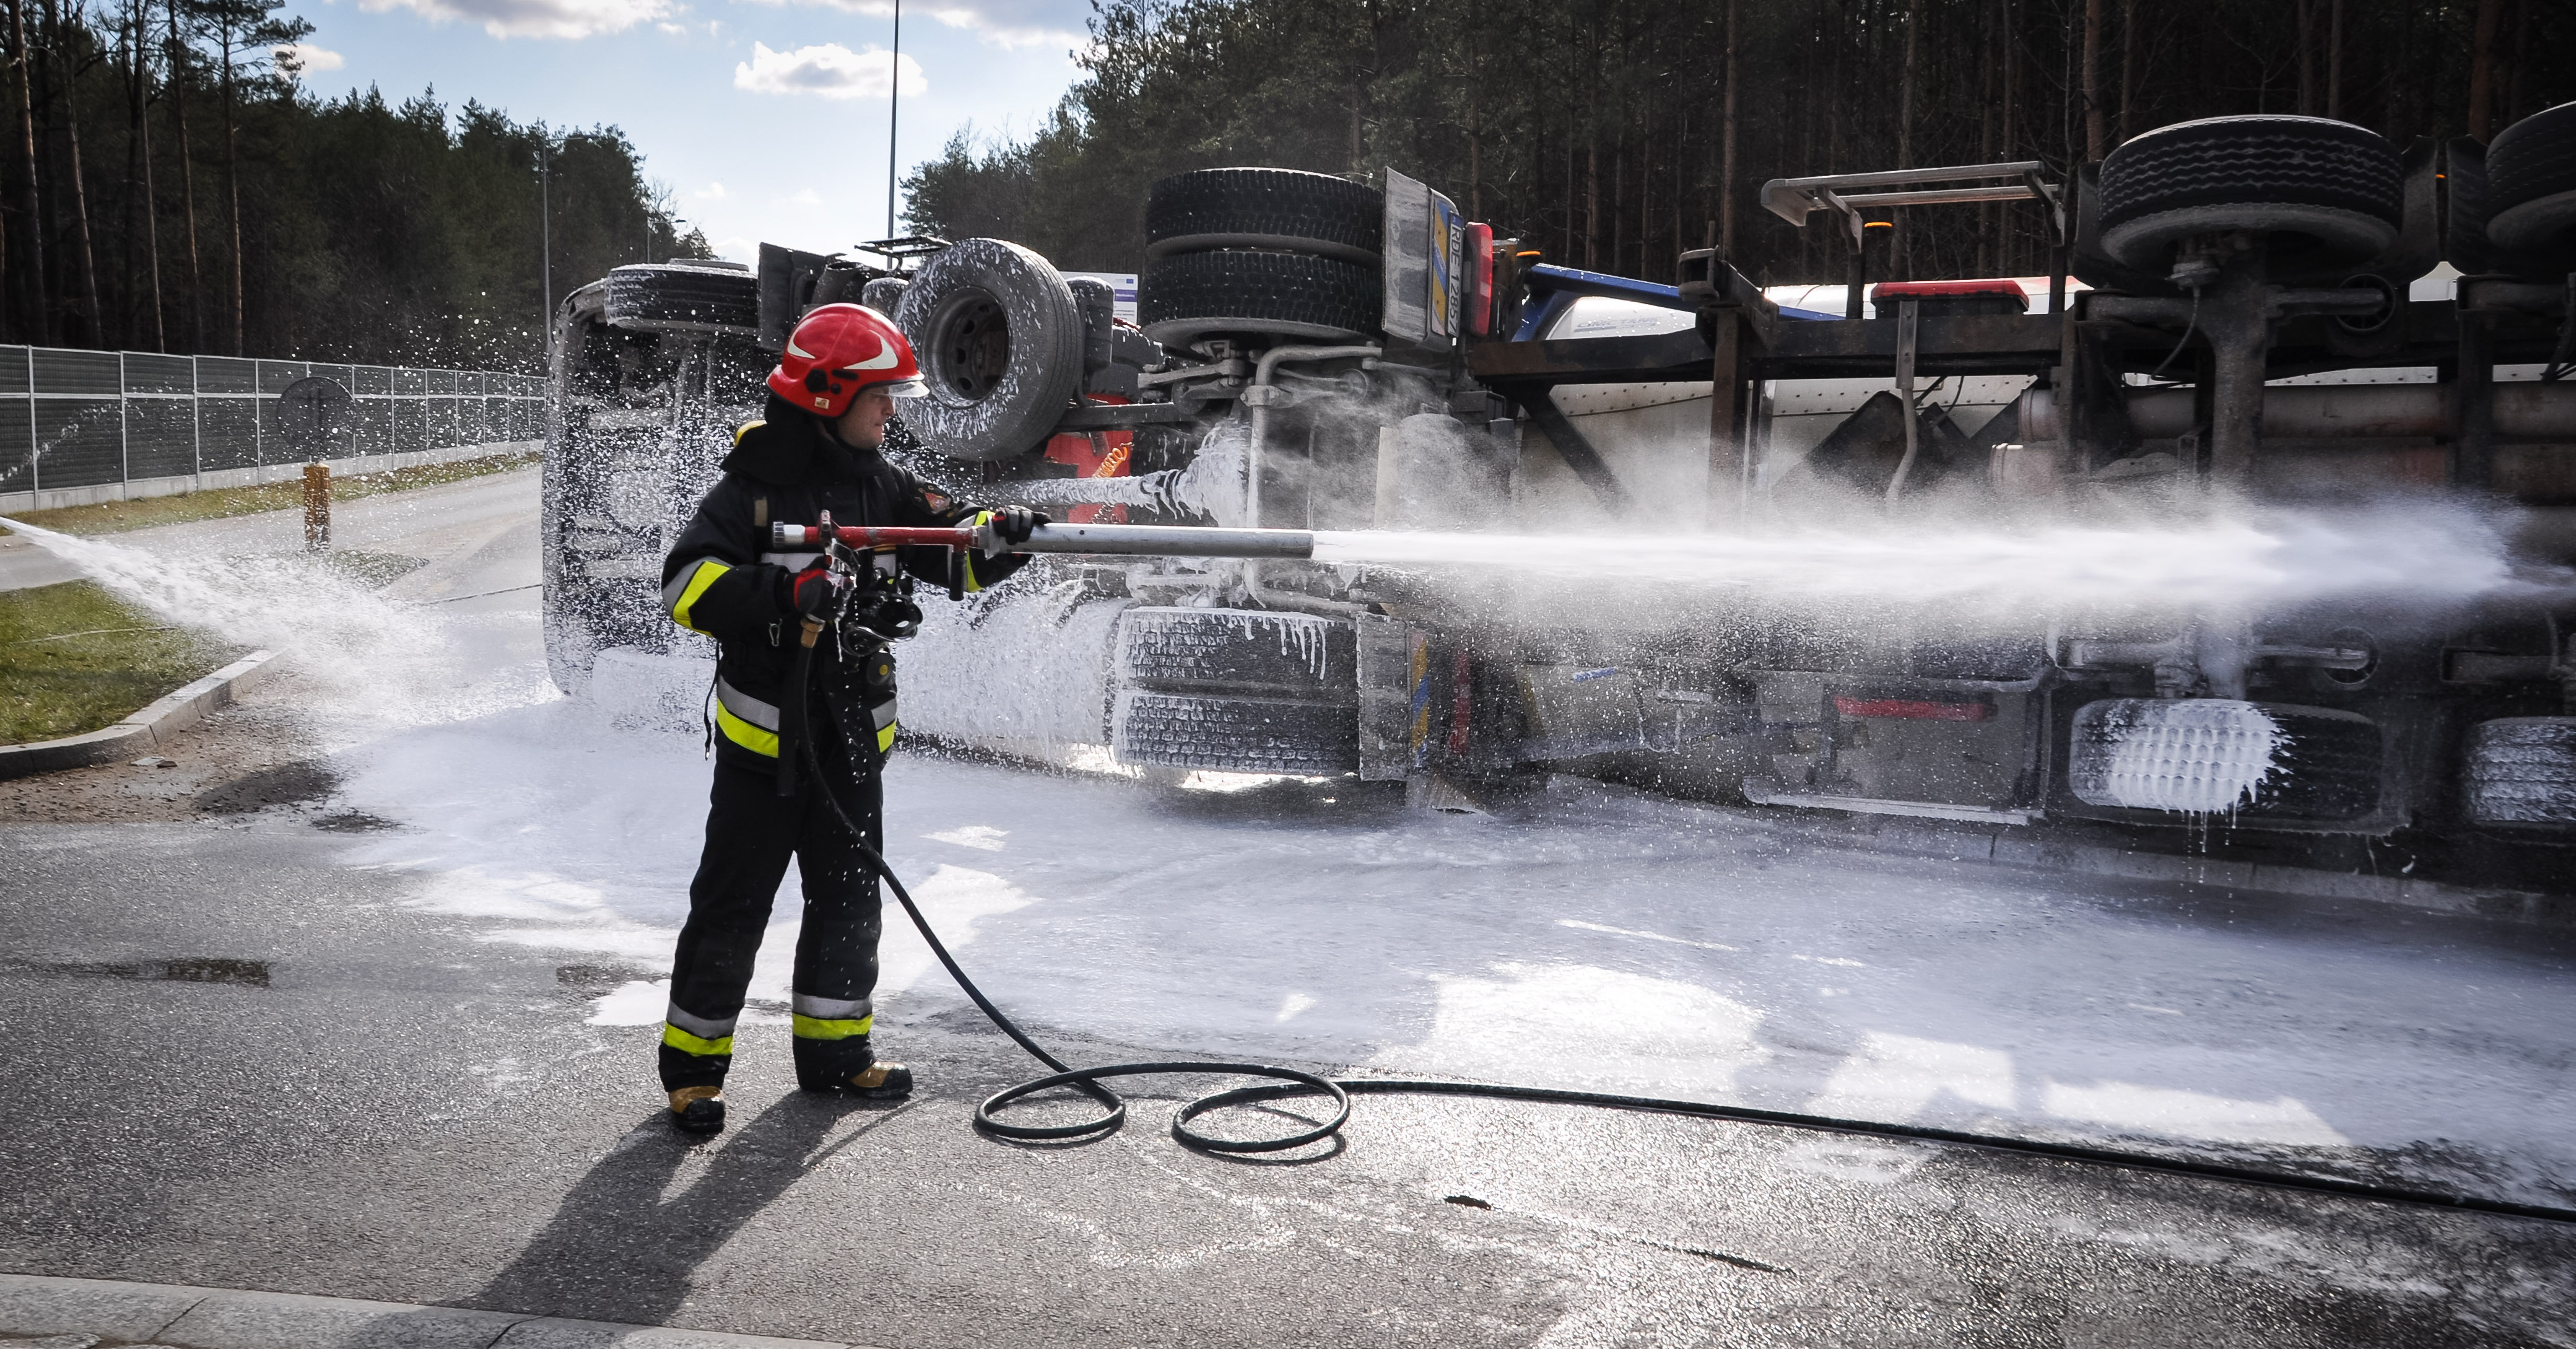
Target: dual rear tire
x: 2328, y: 197
x: 2531, y: 192
x: 684, y: 296
x: 1255, y: 253
x: 2325, y: 196
x: 1235, y: 690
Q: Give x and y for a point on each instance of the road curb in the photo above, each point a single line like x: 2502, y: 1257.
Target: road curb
x: 218, y: 1318
x: 145, y: 730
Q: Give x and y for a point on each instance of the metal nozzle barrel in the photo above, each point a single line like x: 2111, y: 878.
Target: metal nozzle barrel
x: 1133, y: 540
x: 1169, y: 541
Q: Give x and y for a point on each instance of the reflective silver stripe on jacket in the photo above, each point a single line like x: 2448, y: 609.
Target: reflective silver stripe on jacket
x: 882, y: 715
x: 833, y: 1009
x: 743, y: 705
x: 699, y: 1026
x: 680, y: 582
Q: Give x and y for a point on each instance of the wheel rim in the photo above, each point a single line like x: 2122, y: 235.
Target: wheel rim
x: 970, y: 347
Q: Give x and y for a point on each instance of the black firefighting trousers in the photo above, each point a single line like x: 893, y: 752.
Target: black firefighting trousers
x: 751, y: 833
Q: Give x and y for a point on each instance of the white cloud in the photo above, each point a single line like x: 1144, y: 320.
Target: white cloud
x: 537, y: 18
x: 711, y: 192
x: 1008, y: 37
x: 674, y: 29
x: 1000, y: 30
x: 304, y: 56
x: 806, y: 197
x: 831, y: 70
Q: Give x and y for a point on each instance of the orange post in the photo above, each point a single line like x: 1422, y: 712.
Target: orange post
x: 317, y: 507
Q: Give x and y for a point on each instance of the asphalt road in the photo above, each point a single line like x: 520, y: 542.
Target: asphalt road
x: 372, y: 1103
x: 246, y: 1063
x: 450, y: 526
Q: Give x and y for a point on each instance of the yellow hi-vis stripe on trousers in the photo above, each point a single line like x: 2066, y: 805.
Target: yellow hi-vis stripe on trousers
x: 686, y: 1043
x: 816, y: 1028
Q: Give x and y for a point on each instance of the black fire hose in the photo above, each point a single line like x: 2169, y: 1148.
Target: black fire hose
x: 1292, y: 1082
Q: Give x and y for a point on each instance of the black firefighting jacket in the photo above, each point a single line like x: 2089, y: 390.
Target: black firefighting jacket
x: 725, y: 579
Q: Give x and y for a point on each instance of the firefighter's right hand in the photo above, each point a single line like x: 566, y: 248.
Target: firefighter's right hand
x: 811, y: 591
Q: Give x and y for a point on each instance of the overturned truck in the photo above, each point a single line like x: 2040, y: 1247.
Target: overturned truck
x: 2282, y: 313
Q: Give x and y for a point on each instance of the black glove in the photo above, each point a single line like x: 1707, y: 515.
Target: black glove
x: 1015, y: 523
x: 809, y: 591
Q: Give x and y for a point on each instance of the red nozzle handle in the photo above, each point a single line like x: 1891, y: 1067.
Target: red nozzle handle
x: 786, y: 537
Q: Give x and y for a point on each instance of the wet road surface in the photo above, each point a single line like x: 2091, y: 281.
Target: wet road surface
x: 258, y: 1068
x: 256, y: 1053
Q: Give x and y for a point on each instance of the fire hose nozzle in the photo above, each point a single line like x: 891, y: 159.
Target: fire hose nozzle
x: 1132, y: 540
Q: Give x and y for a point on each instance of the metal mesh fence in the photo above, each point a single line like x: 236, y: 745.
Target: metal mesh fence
x: 73, y: 419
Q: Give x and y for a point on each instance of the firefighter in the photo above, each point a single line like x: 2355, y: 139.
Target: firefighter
x: 817, y: 450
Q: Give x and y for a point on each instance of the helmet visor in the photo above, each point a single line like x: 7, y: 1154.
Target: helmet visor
x: 899, y: 388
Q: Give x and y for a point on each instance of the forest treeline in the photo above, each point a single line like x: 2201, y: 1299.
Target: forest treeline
x: 168, y: 184
x: 1614, y: 134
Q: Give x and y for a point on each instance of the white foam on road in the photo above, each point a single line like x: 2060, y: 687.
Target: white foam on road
x: 1614, y: 943
x: 1608, y: 940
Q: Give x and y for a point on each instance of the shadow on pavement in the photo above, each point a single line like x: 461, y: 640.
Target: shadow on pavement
x: 619, y: 1250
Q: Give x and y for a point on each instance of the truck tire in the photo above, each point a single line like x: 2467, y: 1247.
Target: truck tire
x: 1183, y: 297
x: 572, y: 639
x: 1195, y: 650
x: 1000, y: 344
x: 2327, y: 195
x: 682, y: 297
x: 1265, y: 208
x: 1234, y: 734
x: 2531, y: 190
x: 2521, y: 770
x: 2464, y: 214
x: 884, y: 294
x: 585, y: 611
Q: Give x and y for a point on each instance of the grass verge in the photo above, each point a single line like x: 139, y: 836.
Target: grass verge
x: 74, y: 658
x: 109, y: 517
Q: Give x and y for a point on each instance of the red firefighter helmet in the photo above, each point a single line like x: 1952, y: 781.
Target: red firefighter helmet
x: 839, y: 350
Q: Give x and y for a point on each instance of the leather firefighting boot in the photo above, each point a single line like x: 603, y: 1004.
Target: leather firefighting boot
x: 881, y: 1082
x: 698, y: 1110
x: 849, y: 1067
x: 876, y: 1082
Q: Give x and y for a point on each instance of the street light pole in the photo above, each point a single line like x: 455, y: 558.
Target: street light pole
x: 894, y: 101
x: 546, y: 250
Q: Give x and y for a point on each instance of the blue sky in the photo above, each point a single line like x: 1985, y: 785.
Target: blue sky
x: 765, y: 118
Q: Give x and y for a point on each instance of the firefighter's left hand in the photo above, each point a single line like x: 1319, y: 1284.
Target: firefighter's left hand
x: 811, y: 591
x: 1014, y: 524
